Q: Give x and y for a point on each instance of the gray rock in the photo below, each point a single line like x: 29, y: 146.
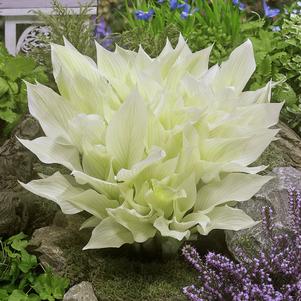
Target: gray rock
x: 283, y: 157
x: 80, y: 292
x: 285, y: 151
x: 13, y: 213
x: 273, y: 194
x: 51, y: 242
x: 289, y: 143
x: 20, y: 210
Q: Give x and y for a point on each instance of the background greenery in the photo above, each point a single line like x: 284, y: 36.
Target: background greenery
x: 14, y: 72
x: 22, y: 278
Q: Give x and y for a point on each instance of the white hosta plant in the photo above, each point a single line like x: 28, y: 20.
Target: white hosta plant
x: 155, y: 146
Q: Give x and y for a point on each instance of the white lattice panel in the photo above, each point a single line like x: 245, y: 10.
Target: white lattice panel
x: 23, y: 12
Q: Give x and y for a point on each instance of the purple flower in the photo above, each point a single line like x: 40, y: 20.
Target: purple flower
x: 274, y: 274
x: 106, y: 43
x: 102, y: 31
x: 269, y: 12
x: 142, y: 15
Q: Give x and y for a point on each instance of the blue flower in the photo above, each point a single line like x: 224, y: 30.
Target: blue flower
x: 160, y: 1
x: 102, y: 32
x: 240, y: 5
x: 184, y: 7
x: 101, y: 29
x: 173, y: 4
x: 269, y: 12
x: 142, y: 15
x: 186, y: 11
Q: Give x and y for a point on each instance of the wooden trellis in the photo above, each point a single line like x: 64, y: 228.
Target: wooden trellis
x: 22, y: 12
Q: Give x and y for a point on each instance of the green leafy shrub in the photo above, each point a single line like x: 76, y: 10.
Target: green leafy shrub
x: 289, y: 64
x: 278, y: 57
x: 20, y: 279
x: 13, y: 101
x: 152, y: 45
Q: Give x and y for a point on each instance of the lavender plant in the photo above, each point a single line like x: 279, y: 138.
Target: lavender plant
x: 274, y: 275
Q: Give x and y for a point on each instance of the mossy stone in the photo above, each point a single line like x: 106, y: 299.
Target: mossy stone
x: 116, y: 274
x: 119, y: 278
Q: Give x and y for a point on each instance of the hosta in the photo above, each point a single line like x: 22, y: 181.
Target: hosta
x: 155, y: 146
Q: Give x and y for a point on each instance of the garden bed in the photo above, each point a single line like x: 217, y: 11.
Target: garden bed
x: 123, y: 166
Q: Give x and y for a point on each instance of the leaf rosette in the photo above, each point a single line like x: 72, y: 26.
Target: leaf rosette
x: 155, y: 146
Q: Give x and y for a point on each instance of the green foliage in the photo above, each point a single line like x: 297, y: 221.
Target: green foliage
x: 220, y: 32
x: 164, y: 17
x: 278, y: 57
x: 152, y: 35
x: 218, y: 22
x: 110, y: 10
x: 20, y: 279
x: 153, y: 45
x: 222, y: 15
x: 76, y: 28
x: 13, y: 100
x: 290, y: 66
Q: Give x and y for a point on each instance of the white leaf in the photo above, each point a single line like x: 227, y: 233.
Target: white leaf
x: 109, y: 189
x: 91, y: 222
x: 56, y: 188
x: 93, y: 202
x: 126, y: 132
x: 51, y: 110
x: 109, y: 234
x: 155, y: 155
x: 233, y: 187
x: 227, y: 218
x: 162, y: 225
x: 139, y: 225
x: 237, y: 70
x: 50, y: 151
